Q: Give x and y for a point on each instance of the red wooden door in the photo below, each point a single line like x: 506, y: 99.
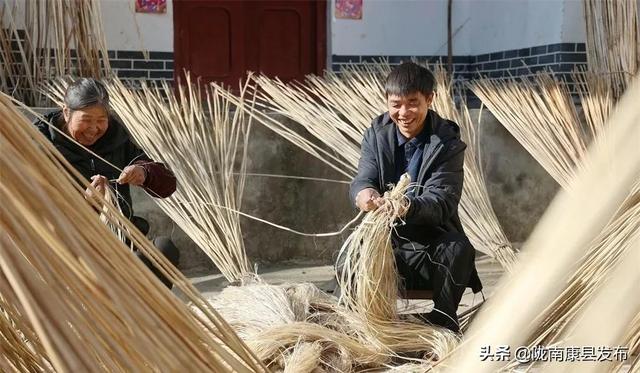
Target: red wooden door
x: 219, y: 40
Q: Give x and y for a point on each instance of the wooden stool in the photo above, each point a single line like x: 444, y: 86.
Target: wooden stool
x: 417, y: 294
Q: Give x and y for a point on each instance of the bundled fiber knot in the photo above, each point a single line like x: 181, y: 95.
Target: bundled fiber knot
x: 368, y: 276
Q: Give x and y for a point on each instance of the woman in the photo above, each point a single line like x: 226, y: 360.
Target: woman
x: 85, y: 117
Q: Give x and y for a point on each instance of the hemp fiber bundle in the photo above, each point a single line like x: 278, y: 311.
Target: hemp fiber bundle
x: 278, y: 320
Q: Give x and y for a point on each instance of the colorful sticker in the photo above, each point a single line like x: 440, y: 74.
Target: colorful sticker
x: 349, y: 9
x: 151, y: 6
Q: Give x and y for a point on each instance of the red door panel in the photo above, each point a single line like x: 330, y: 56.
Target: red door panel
x: 209, y: 61
x: 220, y: 40
x: 280, y: 45
x: 209, y: 39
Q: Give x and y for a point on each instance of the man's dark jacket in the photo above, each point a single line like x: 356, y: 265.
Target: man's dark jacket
x: 116, y: 147
x: 434, y: 209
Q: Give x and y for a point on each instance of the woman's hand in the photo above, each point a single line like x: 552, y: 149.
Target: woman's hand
x: 133, y: 175
x: 99, y: 184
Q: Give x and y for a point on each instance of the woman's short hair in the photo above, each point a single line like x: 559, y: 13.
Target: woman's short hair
x: 84, y: 92
x: 408, y: 78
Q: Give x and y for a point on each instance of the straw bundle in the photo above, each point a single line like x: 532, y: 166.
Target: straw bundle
x: 609, y: 317
x: 253, y: 308
x: 559, y: 226
x: 476, y: 213
x: 360, y: 348
x: 603, y: 254
x: 557, y: 140
x: 613, y: 38
x: 21, y: 350
x: 337, y: 109
x: 596, y: 101
x: 77, y: 291
x: 349, y: 338
x: 206, y: 147
x: 546, y: 124
x: 60, y: 37
x: 111, y: 207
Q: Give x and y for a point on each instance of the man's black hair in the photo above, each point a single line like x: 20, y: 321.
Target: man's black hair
x: 408, y: 78
x: 84, y: 92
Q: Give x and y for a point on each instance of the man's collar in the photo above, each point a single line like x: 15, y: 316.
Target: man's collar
x: 401, y: 139
x: 419, y: 139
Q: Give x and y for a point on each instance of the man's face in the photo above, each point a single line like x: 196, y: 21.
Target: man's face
x: 409, y: 112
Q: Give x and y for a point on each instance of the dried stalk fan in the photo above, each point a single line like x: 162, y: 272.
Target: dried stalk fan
x: 205, y: 146
x: 337, y: 109
x: 609, y: 316
x: 497, y: 323
x: 63, y: 37
x: 92, y: 304
x: 476, y: 213
x: 613, y: 37
x: 541, y: 115
x: 554, y: 136
x: 20, y: 348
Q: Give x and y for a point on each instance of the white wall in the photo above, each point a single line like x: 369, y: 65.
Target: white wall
x: 511, y: 24
x: 396, y: 27
x: 419, y: 27
x: 126, y: 30
x: 573, y: 27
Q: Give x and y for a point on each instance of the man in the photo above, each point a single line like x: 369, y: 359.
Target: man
x: 431, y: 249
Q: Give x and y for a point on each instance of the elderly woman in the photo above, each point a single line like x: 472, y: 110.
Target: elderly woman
x: 85, y: 117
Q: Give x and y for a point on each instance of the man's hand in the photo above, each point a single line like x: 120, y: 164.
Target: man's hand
x: 368, y: 199
x: 98, y: 182
x: 133, y: 175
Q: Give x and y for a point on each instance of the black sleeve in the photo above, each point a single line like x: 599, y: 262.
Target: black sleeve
x: 368, y: 168
x: 438, y: 200
x: 43, y: 126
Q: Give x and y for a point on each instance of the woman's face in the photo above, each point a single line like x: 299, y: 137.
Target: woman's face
x: 86, y: 125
